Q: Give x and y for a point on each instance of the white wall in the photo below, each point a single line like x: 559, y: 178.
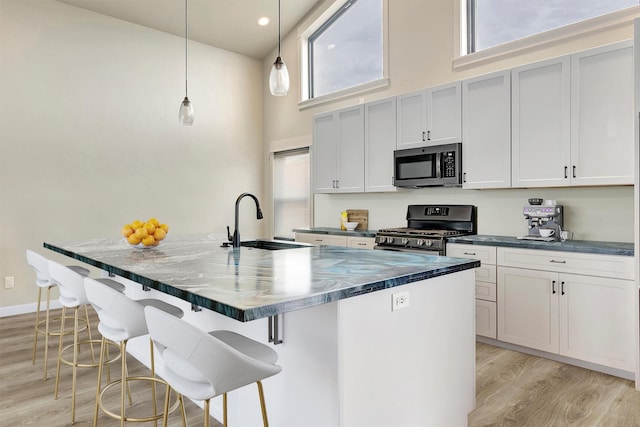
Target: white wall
x: 421, y: 49
x: 89, y: 133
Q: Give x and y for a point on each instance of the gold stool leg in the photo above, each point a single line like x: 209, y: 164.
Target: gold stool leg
x: 123, y: 379
x: 165, y: 418
x: 99, y: 386
x: 75, y: 365
x: 86, y: 318
x: 64, y: 314
x: 206, y: 412
x: 265, y: 420
x: 153, y: 383
x: 46, y: 332
x: 183, y: 411
x: 35, y: 337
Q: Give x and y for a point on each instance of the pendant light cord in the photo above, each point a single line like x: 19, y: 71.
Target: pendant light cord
x: 279, y: 28
x: 186, y: 39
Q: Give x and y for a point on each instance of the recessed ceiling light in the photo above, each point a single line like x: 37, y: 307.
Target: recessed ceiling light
x: 331, y: 46
x: 263, y: 21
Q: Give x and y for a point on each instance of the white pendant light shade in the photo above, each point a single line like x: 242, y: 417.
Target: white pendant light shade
x: 186, y: 115
x: 279, y: 78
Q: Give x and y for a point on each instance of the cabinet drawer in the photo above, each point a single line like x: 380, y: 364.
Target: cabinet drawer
x: 486, y: 273
x: 485, y: 291
x: 486, y: 254
x: 486, y: 319
x: 361, y: 242
x: 321, y: 239
x: 617, y: 267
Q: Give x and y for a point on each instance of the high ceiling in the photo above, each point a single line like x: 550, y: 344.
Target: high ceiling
x: 227, y: 24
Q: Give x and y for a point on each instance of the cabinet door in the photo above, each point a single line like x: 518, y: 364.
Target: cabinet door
x: 541, y: 115
x: 412, y: 120
x: 596, y: 320
x: 486, y: 319
x: 350, y: 161
x: 324, y: 150
x: 444, y: 114
x: 321, y: 239
x: 486, y: 131
x: 528, y: 308
x: 379, y: 144
x: 602, y: 133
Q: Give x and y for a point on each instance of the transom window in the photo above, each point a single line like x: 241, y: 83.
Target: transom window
x: 347, y: 49
x: 494, y: 22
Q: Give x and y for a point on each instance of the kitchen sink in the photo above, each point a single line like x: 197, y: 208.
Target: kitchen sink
x: 273, y: 245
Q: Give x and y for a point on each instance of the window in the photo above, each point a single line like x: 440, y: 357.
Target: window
x: 494, y: 22
x: 347, y: 50
x: 290, y: 192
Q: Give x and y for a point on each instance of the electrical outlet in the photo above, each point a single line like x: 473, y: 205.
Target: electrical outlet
x: 399, y: 300
x: 9, y: 282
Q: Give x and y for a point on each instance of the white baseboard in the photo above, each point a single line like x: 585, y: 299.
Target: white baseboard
x: 14, y: 310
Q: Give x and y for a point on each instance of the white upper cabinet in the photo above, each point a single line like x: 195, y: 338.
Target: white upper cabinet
x: 430, y: 117
x: 338, y: 151
x: 602, y: 121
x: 541, y: 114
x: 380, y: 142
x: 486, y: 118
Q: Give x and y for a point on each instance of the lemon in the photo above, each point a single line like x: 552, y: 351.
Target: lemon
x: 133, y: 239
x: 153, y: 221
x: 148, y: 240
x: 141, y: 233
x: 159, y: 234
x: 150, y: 227
x: 165, y: 227
x: 126, y: 231
x: 136, y: 224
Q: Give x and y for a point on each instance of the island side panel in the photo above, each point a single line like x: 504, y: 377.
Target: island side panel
x: 413, y: 366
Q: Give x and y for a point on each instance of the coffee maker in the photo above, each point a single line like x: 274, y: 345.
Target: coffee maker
x: 547, y: 216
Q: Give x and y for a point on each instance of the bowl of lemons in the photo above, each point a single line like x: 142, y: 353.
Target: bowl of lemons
x: 145, y: 234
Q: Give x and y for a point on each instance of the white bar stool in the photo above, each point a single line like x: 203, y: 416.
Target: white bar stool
x: 122, y: 319
x: 43, y: 280
x: 203, y: 365
x: 72, y: 295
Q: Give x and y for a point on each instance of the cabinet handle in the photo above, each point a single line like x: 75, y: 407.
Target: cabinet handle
x: 318, y: 240
x: 361, y: 244
x: 561, y: 288
x: 464, y: 177
x: 423, y: 135
x: 558, y: 262
x: 566, y: 169
x: 553, y: 287
x: 428, y: 135
x: 337, y: 183
x: 468, y: 253
x: 333, y: 184
x: 574, y: 171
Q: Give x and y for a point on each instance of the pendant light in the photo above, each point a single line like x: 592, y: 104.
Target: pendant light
x: 279, y: 76
x: 185, y: 116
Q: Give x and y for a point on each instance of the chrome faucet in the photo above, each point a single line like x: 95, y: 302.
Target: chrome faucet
x: 236, y: 232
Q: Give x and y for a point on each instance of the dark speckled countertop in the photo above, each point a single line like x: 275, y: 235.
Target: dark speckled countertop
x: 584, y: 246
x: 336, y: 231
x: 247, y: 283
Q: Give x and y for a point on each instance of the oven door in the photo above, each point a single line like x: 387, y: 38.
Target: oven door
x: 412, y: 250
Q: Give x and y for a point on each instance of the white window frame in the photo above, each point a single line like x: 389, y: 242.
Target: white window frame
x: 462, y: 59
x: 324, y: 12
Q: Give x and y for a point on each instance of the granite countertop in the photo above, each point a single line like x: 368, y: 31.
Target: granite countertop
x: 336, y: 231
x: 248, y: 284
x: 583, y: 246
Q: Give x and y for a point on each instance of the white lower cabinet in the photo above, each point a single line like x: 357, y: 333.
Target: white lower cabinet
x: 585, y: 317
x: 336, y: 240
x: 485, y: 284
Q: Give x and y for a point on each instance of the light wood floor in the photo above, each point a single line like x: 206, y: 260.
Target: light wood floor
x: 513, y: 389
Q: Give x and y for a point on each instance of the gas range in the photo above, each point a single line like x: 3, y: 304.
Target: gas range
x: 428, y: 226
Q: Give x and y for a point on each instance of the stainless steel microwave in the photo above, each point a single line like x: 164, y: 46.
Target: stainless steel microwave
x: 434, y: 166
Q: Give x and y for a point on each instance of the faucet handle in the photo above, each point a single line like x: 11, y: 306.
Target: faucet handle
x: 229, y: 234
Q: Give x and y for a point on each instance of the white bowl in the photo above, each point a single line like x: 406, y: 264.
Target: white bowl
x: 350, y: 226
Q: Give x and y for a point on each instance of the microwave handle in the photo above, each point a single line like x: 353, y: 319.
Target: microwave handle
x: 439, y: 165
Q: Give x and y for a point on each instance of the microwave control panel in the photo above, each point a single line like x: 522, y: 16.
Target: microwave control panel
x: 449, y: 160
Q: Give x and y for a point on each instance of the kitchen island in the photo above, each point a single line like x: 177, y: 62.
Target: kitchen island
x: 349, y: 357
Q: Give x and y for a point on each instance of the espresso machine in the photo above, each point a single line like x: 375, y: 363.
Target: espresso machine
x: 548, y: 216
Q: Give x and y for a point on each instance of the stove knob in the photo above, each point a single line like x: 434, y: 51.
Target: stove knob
x: 389, y: 239
x: 419, y: 242
x: 405, y: 241
x: 428, y: 242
